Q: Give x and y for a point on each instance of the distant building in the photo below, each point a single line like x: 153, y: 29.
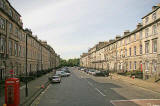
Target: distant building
x: 13, y: 45
x: 138, y: 50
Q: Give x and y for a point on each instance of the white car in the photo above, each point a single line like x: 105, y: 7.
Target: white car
x: 92, y: 72
x: 55, y: 79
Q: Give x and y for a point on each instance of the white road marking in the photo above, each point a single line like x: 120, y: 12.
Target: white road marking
x: 100, y: 92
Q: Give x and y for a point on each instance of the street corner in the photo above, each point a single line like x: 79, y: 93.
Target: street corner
x: 136, y: 102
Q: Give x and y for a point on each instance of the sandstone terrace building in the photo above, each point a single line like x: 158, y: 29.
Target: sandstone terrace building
x: 138, y: 50
x: 40, y: 55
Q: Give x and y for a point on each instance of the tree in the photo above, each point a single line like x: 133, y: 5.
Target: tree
x: 69, y: 62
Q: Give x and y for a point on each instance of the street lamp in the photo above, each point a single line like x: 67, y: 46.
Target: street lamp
x: 26, y: 80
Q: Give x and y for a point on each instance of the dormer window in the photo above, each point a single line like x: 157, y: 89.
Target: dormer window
x: 154, y: 16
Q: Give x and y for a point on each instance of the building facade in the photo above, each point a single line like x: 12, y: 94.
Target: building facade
x: 137, y: 50
x: 13, y: 38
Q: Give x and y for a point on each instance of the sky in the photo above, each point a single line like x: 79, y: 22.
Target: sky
x: 71, y: 27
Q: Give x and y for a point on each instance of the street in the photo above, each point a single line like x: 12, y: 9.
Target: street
x: 81, y: 89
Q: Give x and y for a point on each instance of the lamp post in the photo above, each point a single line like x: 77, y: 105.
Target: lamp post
x: 26, y: 80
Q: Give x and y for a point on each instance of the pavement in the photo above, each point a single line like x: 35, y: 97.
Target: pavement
x: 138, y: 82
x: 81, y: 89
x: 33, y: 87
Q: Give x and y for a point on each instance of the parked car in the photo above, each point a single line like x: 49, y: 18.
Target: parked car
x: 102, y: 73
x: 63, y: 74
x: 91, y: 71
x: 59, y: 72
x: 55, y: 78
x: 67, y: 71
x: 82, y: 69
x: 86, y: 70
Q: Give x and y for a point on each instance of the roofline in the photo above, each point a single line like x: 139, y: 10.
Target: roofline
x: 151, y: 12
x: 134, y: 31
x: 13, y: 7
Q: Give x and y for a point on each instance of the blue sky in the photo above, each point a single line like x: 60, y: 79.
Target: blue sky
x: 73, y: 26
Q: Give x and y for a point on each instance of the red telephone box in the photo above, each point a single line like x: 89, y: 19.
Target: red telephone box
x: 12, y: 92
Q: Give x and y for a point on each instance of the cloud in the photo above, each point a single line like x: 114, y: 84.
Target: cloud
x: 72, y: 26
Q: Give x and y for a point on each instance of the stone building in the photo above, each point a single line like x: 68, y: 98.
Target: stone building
x: 40, y: 55
x: 137, y: 50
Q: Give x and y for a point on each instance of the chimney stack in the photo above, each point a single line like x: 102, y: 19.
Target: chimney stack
x: 154, y: 7
x: 118, y: 37
x: 139, y: 25
x: 126, y: 32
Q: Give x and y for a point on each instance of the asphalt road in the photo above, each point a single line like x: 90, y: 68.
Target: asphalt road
x: 81, y: 89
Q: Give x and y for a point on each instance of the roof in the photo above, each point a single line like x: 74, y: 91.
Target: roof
x: 151, y: 12
x: 13, y: 7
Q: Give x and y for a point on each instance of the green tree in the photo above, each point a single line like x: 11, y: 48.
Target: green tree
x: 70, y: 62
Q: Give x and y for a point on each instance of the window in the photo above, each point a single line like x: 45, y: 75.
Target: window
x: 134, y: 37
x: 154, y: 16
x: 140, y: 35
x: 140, y: 52
x: 154, y: 44
x: 24, y: 52
x: 19, y: 52
x: 146, y: 66
x: 16, y: 17
x: 16, y: 32
x: 154, y: 66
x: 125, y: 52
x: 10, y: 13
x: 146, y: 32
x: 16, y: 49
x: 134, y: 65
x: 2, y: 4
x: 10, y: 47
x: 146, y: 20
x: 20, y: 35
x: 147, y: 47
x: 154, y: 29
x: 121, y: 53
x: 2, y: 44
x: 2, y: 23
x: 130, y: 52
x: 130, y: 65
x: 10, y: 27
x: 135, y: 50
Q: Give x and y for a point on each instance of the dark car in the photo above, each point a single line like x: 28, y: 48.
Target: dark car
x: 102, y: 73
x: 86, y: 70
x: 67, y: 71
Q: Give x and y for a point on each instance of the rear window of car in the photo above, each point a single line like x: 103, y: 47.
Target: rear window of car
x: 55, y: 77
